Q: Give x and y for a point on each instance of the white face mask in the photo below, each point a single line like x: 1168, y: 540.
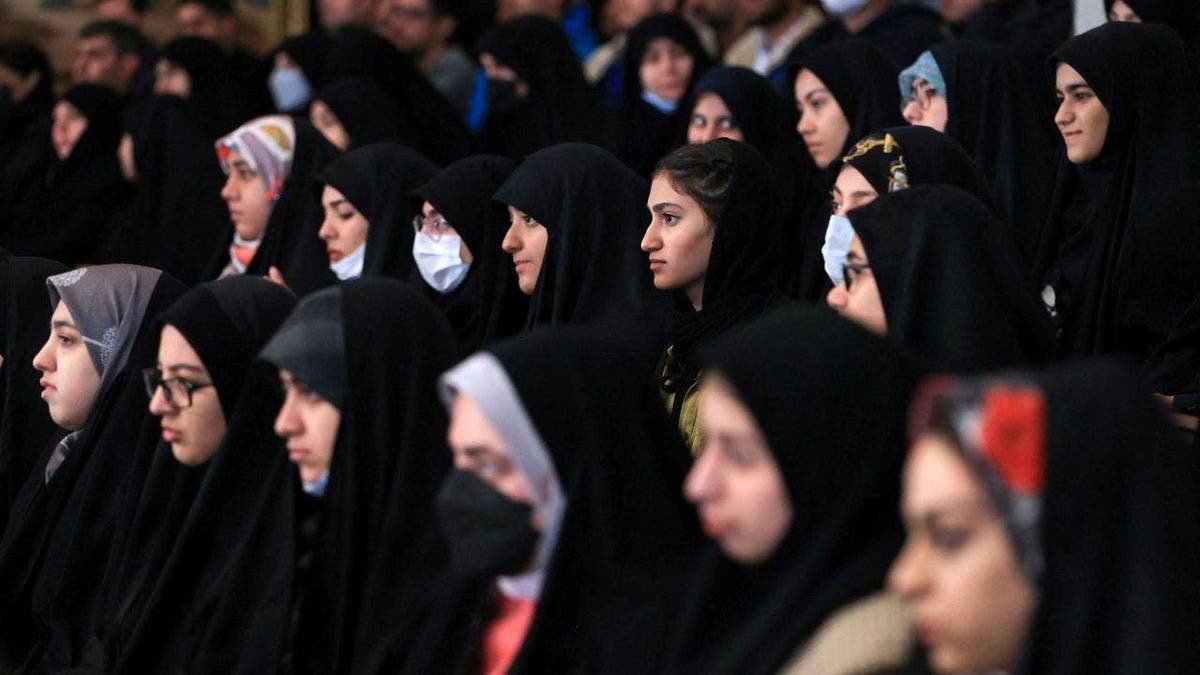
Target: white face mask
x: 844, y: 8
x: 439, y: 261
x: 837, y: 246
x: 351, y: 266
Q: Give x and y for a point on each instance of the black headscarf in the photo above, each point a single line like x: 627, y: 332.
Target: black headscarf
x: 561, y: 106
x: 922, y: 155
x: 488, y: 305
x: 26, y: 429
x: 377, y: 179
x: 1121, y: 243
x: 24, y: 126
x: 594, y: 209
x: 378, y: 549
x: 214, y: 91
x: 766, y: 121
x: 951, y: 284
x: 640, y: 133
x: 1182, y: 15
x: 831, y: 402
x: 377, y: 122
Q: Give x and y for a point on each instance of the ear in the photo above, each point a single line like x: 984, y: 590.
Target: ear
x: 129, y: 65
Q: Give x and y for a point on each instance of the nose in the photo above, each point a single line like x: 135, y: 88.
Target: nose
x: 651, y: 241
x: 1063, y: 116
x: 805, y: 126
x: 838, y: 297
x: 907, y: 578
x: 159, y: 405
x: 512, y: 242
x: 287, y: 422
x: 327, y: 232
x: 701, y: 484
x: 229, y: 190
x: 710, y: 133
x: 912, y: 112
x: 43, y: 360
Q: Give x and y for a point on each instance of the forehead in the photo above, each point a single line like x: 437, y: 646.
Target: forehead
x: 61, y: 313
x: 721, y: 408
x: 807, y: 82
x: 96, y: 44
x: 469, y: 427
x: 174, y: 348
x: 935, y: 473
x: 712, y: 103
x: 850, y: 179
x: 662, y: 191
x: 1065, y: 73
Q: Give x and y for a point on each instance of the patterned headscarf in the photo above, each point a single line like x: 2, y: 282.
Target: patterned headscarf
x: 925, y: 68
x: 268, y: 145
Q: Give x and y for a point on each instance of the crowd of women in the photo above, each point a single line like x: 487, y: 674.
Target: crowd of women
x: 713, y: 379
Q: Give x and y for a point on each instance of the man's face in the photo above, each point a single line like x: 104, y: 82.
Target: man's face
x: 195, y: 20
x: 97, y: 61
x: 410, y: 25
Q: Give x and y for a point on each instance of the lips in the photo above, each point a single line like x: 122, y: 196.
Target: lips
x: 925, y: 632
x: 712, y: 527
x: 170, y: 435
x: 47, y: 388
x: 296, y: 455
x: 519, y: 264
x: 335, y: 255
x: 656, y: 264
x: 1071, y: 135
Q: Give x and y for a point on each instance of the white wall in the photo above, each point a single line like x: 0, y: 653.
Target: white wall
x: 1088, y: 14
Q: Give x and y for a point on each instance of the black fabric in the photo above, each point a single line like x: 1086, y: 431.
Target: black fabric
x: 831, y: 402
x: 308, y: 51
x: 951, y: 284
x: 1121, y: 243
x: 26, y: 430
x: 1182, y: 15
x: 311, y: 346
x: 929, y: 157
x: 214, y: 90
x: 901, y: 33
x: 377, y: 122
x: 1032, y: 28
x: 640, y: 134
x: 560, y: 107
x: 377, y: 180
x: 488, y: 305
x: 1005, y: 128
x: 24, y: 126
x: 594, y: 210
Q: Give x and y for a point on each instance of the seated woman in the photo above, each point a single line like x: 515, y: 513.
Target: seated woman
x: 931, y: 268
x: 714, y: 224
x: 362, y: 423
x: 1051, y: 527
x: 338, y: 113
x: 367, y: 209
x: 803, y: 416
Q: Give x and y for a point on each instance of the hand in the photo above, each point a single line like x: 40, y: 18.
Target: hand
x: 275, y: 276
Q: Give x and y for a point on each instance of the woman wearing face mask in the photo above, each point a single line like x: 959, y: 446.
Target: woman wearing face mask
x: 713, y: 226
x: 560, y: 451
x: 362, y: 423
x: 59, y: 535
x: 1051, y: 527
x: 457, y: 250
x: 663, y: 59
x: 367, y: 211
x: 930, y: 268
x: 842, y: 96
x: 537, y: 94
x: 211, y: 401
x: 803, y: 418
x: 271, y: 165
x: 577, y: 215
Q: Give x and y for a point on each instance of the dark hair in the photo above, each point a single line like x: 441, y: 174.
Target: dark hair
x: 702, y: 171
x: 219, y: 8
x: 25, y: 57
x: 125, y: 37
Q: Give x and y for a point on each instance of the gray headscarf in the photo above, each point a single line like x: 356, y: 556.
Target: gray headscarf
x: 311, y: 344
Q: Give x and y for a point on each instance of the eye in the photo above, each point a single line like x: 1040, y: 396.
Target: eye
x: 727, y: 124
x: 245, y: 175
x: 669, y: 218
x: 949, y: 540
x: 836, y: 205
x: 66, y: 341
x: 698, y: 120
x: 1082, y: 96
x: 347, y: 215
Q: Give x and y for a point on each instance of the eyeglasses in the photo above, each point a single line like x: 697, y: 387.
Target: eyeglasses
x: 175, y: 390
x: 438, y: 225
x: 923, y: 94
x: 856, y: 268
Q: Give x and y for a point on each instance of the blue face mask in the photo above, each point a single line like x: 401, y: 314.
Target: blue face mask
x: 317, y: 487
x: 289, y: 88
x: 837, y: 246
x: 662, y: 105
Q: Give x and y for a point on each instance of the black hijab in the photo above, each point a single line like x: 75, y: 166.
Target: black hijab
x: 916, y: 155
x: 1120, y: 245
x: 594, y: 209
x: 766, y: 121
x: 24, y: 126
x: 378, y: 122
x: 1182, y: 15
x: 26, y: 429
x: 378, y: 549
x: 560, y: 107
x: 952, y: 288
x: 377, y: 179
x: 831, y: 402
x: 214, y: 92
x: 488, y: 305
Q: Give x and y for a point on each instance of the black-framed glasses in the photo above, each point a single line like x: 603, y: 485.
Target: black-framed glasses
x: 923, y: 93
x: 176, y: 389
x: 439, y: 226
x: 856, y: 268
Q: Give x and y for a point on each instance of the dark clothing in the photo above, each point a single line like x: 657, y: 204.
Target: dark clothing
x: 901, y: 33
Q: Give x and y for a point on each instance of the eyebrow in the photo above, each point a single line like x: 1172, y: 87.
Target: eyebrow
x: 183, y: 366
x: 241, y: 165
x: 808, y: 95
x: 853, y: 256
x: 336, y: 203
x: 658, y: 208
x: 1075, y: 86
x: 63, y: 323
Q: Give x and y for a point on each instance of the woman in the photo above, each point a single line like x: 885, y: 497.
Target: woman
x: 485, y: 303
x: 26, y: 75
x: 1181, y: 15
x: 367, y: 210
x: 272, y: 164
x: 1051, y: 527
x: 577, y: 215
x: 975, y: 92
x: 59, y: 532
x: 713, y: 226
x: 663, y: 60
x: 930, y: 268
x: 560, y: 451
x: 361, y: 421
x: 1115, y: 262
x: 163, y: 608
x: 337, y: 111
x: 803, y: 416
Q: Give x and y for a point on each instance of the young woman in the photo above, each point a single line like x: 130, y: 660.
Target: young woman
x: 338, y: 113
x: 714, y: 223
x: 803, y: 417
x: 1051, y: 527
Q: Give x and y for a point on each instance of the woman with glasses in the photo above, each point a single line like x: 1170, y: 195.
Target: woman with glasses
x: 367, y: 209
x: 930, y: 267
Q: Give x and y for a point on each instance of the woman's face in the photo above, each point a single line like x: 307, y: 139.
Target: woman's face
x: 822, y: 125
x: 1120, y: 11
x: 477, y: 447
x: 711, y: 119
x: 344, y: 228
x: 735, y: 483
x: 434, y: 225
x: 851, y: 190
x: 171, y: 78
x: 246, y: 197
x: 971, y: 603
x: 309, y: 424
x: 525, y: 241
x: 66, y: 128
x: 194, y: 430
x: 329, y: 125
x: 666, y: 69
x: 70, y: 381
x: 1081, y: 118
x: 679, y: 240
x: 928, y: 107
x: 857, y: 297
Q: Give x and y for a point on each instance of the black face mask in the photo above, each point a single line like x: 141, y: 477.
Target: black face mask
x: 488, y: 534
x: 503, y: 97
